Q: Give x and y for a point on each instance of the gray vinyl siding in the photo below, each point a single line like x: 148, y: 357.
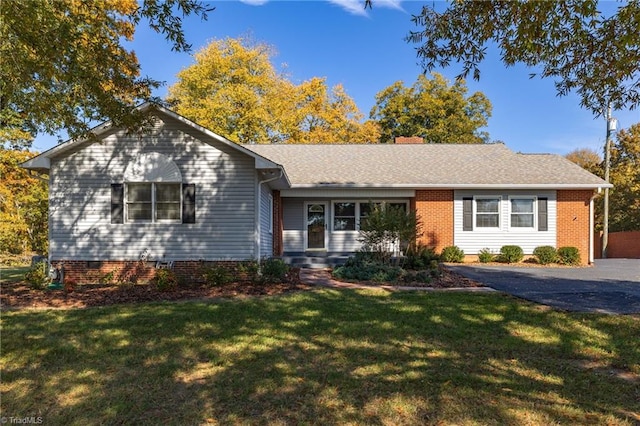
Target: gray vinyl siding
x: 471, y: 242
x: 266, y: 237
x: 293, y: 224
x: 80, y: 200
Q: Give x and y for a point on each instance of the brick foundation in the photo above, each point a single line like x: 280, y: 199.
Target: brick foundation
x: 435, y: 212
x: 116, y: 271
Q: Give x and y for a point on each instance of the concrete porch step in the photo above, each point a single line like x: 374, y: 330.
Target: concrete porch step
x: 315, y: 260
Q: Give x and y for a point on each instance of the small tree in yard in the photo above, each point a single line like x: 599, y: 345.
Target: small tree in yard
x: 387, y: 230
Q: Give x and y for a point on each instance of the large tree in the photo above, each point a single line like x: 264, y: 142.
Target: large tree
x: 433, y: 109
x: 572, y: 42
x: 323, y: 116
x: 23, y: 206
x: 586, y: 158
x: 624, y: 199
x: 234, y: 89
x: 65, y: 65
x: 624, y: 174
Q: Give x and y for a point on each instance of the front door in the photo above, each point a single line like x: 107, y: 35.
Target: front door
x: 316, y: 219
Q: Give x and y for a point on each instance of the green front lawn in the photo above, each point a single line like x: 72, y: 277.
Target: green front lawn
x: 11, y: 274
x: 323, y: 357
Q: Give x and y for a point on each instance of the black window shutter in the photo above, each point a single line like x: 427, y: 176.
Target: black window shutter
x: 467, y: 214
x: 117, y: 203
x: 188, y: 203
x: 542, y: 215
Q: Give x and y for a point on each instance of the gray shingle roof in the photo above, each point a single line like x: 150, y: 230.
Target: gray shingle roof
x: 425, y: 165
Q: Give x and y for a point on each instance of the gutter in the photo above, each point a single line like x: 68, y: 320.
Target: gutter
x: 330, y: 185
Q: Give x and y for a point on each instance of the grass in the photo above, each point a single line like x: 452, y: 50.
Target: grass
x: 11, y: 274
x: 323, y: 357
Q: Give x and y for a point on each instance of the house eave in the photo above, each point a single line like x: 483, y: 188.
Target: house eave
x: 448, y: 186
x: 39, y: 164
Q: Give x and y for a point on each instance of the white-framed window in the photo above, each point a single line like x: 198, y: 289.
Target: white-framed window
x: 522, y: 212
x: 350, y: 215
x: 153, y: 202
x: 344, y: 216
x: 487, y: 212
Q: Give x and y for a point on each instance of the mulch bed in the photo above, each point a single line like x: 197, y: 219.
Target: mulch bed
x: 19, y: 295
x: 448, y: 279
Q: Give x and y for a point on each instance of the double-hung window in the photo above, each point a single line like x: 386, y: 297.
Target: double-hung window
x: 365, y: 210
x: 487, y: 213
x: 344, y: 216
x: 522, y: 212
x: 153, y: 202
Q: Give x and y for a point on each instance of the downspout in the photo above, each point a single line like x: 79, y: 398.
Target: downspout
x: 591, y: 225
x: 258, y: 214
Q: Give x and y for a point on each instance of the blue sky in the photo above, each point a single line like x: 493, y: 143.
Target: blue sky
x: 365, y: 51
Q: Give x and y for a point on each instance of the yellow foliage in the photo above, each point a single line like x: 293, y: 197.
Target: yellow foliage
x: 23, y: 205
x: 234, y: 90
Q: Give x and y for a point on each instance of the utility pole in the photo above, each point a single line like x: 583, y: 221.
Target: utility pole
x: 611, y: 126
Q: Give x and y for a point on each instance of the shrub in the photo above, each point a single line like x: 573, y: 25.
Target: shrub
x: 511, y: 254
x: 166, y: 280
x: 569, y: 255
x: 362, y: 256
x: 419, y: 257
x: 274, y: 270
x: 249, y: 270
x: 37, y: 276
x: 452, y: 254
x: 385, y: 227
x: 545, y: 254
x: 216, y: 276
x: 364, y: 267
x: 485, y: 255
x: 422, y: 277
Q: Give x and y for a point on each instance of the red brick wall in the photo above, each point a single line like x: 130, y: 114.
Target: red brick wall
x: 435, y: 211
x: 278, y: 248
x: 114, y: 271
x: 621, y: 245
x: 573, y: 220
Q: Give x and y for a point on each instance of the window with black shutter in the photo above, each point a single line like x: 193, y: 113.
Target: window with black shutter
x: 542, y: 214
x: 467, y: 214
x: 188, y: 203
x: 117, y: 203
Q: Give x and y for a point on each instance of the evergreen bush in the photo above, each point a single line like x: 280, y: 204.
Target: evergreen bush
x: 419, y: 257
x: 452, y: 254
x: 217, y: 276
x: 485, y: 255
x: 569, y: 255
x: 166, y: 280
x: 274, y: 270
x: 545, y: 254
x: 511, y: 254
x: 38, y: 276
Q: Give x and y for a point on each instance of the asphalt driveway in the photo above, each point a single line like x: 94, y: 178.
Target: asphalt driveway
x: 610, y: 286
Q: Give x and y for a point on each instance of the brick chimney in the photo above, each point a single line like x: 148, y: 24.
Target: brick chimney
x: 409, y: 140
